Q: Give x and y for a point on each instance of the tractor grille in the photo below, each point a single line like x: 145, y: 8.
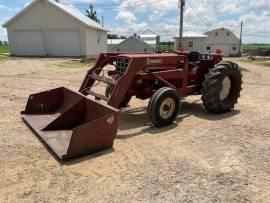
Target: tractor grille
x: 121, y: 65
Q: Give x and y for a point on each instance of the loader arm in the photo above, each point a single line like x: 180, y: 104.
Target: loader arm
x: 137, y: 63
x: 103, y: 60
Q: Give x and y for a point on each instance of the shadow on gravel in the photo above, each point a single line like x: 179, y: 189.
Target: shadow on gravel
x: 198, y: 110
x: 74, y: 161
x: 138, y: 118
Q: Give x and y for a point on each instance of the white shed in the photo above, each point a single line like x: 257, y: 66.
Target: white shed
x: 133, y: 44
x: 113, y: 42
x: 223, y: 39
x: 151, y: 38
x: 192, y: 41
x: 49, y: 28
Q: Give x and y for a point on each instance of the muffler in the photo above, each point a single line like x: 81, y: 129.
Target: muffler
x: 71, y: 124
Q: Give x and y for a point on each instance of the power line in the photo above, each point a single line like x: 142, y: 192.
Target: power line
x: 117, y: 6
x: 206, y: 22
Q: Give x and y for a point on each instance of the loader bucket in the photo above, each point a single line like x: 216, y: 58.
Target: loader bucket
x: 71, y: 124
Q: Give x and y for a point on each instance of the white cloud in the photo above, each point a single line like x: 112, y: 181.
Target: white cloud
x: 6, y: 8
x: 129, y: 29
x: 126, y: 16
x: 229, y: 13
x: 134, y: 16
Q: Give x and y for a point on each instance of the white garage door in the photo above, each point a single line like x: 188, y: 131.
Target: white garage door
x: 29, y: 43
x: 64, y: 43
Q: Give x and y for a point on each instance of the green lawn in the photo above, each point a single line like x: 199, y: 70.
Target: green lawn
x: 4, y: 50
x: 252, y: 47
x: 73, y: 64
x: 166, y: 47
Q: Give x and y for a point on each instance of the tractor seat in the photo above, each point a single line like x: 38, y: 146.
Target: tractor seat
x: 194, y: 57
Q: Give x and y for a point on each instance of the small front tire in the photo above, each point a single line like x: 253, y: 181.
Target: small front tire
x: 164, y: 107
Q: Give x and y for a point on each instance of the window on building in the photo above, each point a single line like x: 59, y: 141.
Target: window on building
x: 190, y: 44
x: 228, y: 34
x: 234, y: 48
x: 216, y: 33
x: 208, y: 48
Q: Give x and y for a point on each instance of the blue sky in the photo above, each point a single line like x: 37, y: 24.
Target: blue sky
x: 125, y: 17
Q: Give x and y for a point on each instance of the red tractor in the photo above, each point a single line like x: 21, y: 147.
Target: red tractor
x: 164, y: 78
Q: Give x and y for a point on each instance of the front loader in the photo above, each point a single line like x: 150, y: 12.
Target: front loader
x: 76, y: 124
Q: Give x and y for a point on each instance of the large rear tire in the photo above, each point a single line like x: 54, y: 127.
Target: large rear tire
x: 125, y: 101
x: 221, y: 87
x: 163, y: 107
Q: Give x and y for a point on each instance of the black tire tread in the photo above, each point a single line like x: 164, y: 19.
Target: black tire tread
x: 212, y: 85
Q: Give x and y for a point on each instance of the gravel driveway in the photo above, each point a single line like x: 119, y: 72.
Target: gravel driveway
x: 201, y: 158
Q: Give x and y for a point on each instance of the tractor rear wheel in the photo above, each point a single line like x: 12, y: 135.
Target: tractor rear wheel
x: 163, y: 107
x: 221, y: 87
x: 125, y: 101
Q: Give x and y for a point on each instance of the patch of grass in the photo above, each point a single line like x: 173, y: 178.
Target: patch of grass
x: 253, y: 47
x: 267, y: 63
x: 4, y: 57
x: 4, y: 50
x: 73, y: 64
x: 167, y: 47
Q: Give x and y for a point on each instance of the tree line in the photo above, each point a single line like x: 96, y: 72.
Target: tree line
x: 3, y: 43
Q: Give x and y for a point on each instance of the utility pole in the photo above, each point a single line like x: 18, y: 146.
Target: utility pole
x: 102, y: 21
x: 181, y: 5
x: 240, y: 41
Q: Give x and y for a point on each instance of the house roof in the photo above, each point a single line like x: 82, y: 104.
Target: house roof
x: 215, y: 30
x: 152, y: 42
x: 115, y: 41
x: 220, y: 29
x: 148, y: 33
x: 137, y: 40
x: 68, y: 10
x: 191, y: 34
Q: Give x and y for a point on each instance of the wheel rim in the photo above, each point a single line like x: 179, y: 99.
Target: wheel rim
x: 167, y: 108
x: 226, y: 87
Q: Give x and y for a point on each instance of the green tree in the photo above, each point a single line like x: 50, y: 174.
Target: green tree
x: 91, y: 13
x: 1, y: 43
x: 113, y: 36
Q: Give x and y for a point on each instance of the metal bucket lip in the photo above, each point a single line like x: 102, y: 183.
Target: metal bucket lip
x: 77, y: 93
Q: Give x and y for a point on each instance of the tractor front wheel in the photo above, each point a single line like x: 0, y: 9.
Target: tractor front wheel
x: 163, y: 107
x: 221, y: 87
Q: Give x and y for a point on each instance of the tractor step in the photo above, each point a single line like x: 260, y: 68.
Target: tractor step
x: 98, y: 96
x: 103, y: 79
